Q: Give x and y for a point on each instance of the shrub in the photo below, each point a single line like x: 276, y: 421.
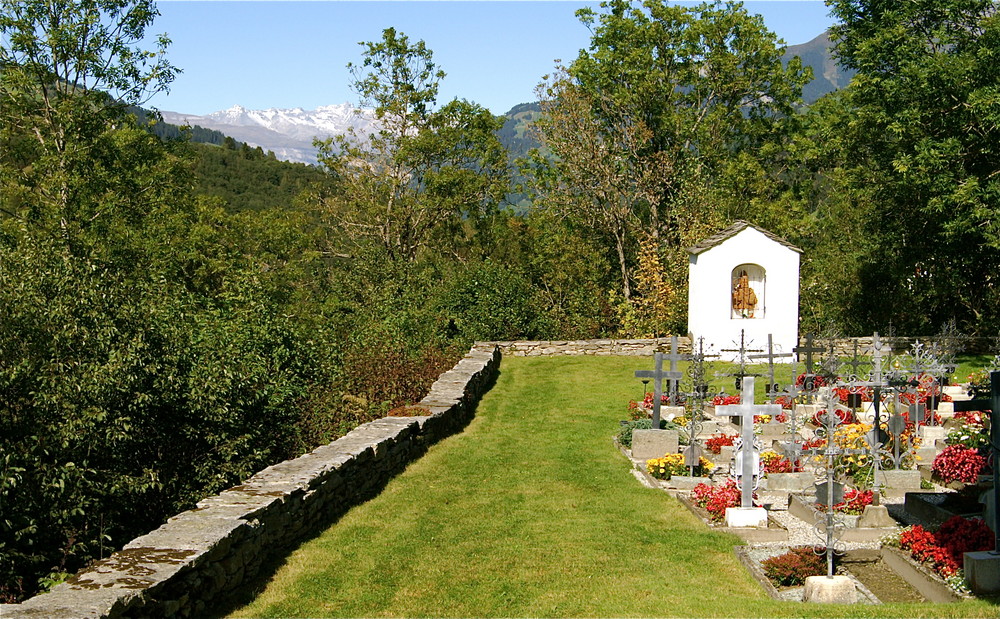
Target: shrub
x: 792, y: 568
x: 625, y: 433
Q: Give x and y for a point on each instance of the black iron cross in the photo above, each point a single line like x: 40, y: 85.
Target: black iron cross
x: 658, y: 376
x: 772, y: 387
x: 808, y: 349
x: 990, y: 407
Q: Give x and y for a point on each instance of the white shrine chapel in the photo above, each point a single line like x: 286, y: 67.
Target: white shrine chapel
x: 744, y: 278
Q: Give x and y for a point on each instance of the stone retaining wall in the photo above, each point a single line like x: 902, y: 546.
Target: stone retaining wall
x: 635, y: 347
x: 646, y: 347
x: 201, y: 555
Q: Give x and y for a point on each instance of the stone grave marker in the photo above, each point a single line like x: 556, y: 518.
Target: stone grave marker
x: 655, y: 443
x: 747, y: 514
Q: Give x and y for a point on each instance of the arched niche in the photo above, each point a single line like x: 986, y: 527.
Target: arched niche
x: 748, y: 287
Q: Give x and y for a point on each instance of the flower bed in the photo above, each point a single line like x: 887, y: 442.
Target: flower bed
x: 673, y: 464
x: 715, y: 499
x: 716, y: 442
x: 942, y: 550
x: 958, y: 463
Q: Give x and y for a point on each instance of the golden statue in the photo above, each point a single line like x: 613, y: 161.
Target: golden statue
x: 744, y: 298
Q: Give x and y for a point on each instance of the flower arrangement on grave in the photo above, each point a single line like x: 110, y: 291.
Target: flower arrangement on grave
x: 673, y: 464
x: 792, y: 568
x: 716, y: 442
x: 942, y: 550
x: 638, y: 410
x: 723, y: 400
x: 818, y: 380
x: 958, y: 463
x: 866, y: 393
x: 970, y: 435
x: 787, y: 402
x: 927, y: 388
x: 715, y: 499
x: 979, y: 382
x: 773, y: 462
x: 851, y: 436
x: 853, y: 504
x: 970, y: 417
x: 814, y: 443
x: 845, y: 416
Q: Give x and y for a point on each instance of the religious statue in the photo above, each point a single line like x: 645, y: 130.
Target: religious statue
x: 744, y: 298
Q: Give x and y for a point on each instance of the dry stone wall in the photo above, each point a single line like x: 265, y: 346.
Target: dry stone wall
x: 635, y: 347
x: 201, y: 555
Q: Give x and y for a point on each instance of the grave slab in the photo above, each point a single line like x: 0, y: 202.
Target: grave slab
x: 790, y: 482
x: 898, y: 482
x: 647, y: 444
x: 830, y: 590
x: 746, y: 517
x: 876, y: 517
x: 982, y: 572
x: 671, y: 412
x: 931, y: 434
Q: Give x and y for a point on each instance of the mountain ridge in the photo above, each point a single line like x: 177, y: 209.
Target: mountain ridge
x: 289, y: 132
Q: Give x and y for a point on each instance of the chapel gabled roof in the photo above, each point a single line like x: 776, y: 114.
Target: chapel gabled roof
x: 733, y: 230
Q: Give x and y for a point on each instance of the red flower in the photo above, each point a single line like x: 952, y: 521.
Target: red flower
x: 958, y: 463
x: 716, y: 442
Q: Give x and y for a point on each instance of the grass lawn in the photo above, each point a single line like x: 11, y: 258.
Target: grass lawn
x: 532, y: 512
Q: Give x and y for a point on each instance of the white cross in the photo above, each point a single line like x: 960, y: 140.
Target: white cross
x: 746, y: 410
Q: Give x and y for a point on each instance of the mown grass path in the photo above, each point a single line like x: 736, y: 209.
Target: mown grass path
x: 531, y: 512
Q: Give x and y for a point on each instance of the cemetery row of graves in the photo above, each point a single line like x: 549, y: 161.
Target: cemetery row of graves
x: 886, y: 452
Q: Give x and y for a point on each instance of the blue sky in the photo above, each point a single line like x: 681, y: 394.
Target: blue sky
x: 286, y: 54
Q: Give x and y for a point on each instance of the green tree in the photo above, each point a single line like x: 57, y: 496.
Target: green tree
x: 423, y: 168
x: 640, y: 125
x: 917, y: 140
x: 68, y: 68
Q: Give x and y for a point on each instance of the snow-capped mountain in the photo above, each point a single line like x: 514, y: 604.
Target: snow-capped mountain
x: 289, y: 133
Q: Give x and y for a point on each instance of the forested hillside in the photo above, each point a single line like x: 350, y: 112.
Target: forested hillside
x: 178, y: 315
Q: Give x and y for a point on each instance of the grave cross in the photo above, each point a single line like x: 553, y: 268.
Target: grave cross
x: 991, y: 407
x: 772, y: 387
x: 746, y: 410
x: 658, y: 376
x: 675, y: 373
x: 855, y: 362
x: 808, y: 349
x: 830, y: 491
x: 743, y: 350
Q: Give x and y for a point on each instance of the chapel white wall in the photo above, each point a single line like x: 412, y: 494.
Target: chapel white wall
x: 710, y: 290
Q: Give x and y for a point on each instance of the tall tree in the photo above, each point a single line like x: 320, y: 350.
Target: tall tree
x: 67, y: 69
x: 424, y: 168
x: 664, y: 96
x: 919, y: 134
